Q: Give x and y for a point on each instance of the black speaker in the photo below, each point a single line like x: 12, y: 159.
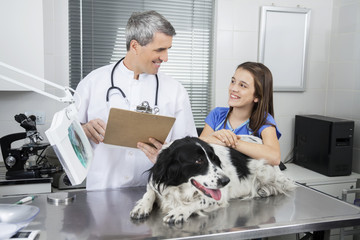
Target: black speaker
x: 324, y: 144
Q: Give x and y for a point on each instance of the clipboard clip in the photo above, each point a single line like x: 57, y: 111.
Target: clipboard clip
x: 144, y: 107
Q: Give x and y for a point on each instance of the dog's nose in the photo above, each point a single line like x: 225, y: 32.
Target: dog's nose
x: 223, y: 181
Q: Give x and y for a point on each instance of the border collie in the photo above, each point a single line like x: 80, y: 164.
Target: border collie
x: 192, y: 176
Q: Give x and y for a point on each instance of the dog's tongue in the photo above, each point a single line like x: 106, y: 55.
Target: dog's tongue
x: 214, y: 193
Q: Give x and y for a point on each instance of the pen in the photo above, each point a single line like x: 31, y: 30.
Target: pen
x: 25, y: 200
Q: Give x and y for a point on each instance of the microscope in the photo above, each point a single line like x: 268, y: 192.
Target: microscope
x: 15, y: 158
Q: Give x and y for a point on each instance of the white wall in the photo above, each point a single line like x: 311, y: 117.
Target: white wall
x: 48, y: 60
x: 332, y: 81
x: 20, y: 39
x: 343, y: 96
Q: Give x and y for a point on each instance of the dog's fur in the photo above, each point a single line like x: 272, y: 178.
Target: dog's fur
x: 191, y: 176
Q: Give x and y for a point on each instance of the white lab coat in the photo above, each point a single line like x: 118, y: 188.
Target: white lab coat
x: 113, y: 166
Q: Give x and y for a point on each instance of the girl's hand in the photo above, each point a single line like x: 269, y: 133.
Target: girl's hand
x: 227, y: 137
x: 212, y: 139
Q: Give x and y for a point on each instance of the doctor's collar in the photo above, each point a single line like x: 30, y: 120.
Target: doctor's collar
x: 130, y: 73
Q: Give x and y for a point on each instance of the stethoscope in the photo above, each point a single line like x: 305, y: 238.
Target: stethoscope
x: 144, y: 106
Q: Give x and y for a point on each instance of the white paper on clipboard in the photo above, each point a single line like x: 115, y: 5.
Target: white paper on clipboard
x: 127, y: 128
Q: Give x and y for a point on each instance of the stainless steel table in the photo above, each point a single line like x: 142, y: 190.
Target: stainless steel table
x: 105, y: 215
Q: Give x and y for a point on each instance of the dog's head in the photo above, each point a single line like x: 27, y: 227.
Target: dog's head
x: 192, y: 161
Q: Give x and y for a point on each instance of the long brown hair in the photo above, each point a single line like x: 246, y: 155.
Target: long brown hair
x: 263, y: 82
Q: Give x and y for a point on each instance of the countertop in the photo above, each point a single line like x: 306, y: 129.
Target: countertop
x: 105, y: 215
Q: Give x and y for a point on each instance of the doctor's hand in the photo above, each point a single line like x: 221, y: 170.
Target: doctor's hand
x: 95, y: 130
x: 150, y: 151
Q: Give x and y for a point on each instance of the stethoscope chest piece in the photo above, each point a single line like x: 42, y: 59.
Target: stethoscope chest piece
x: 145, y: 108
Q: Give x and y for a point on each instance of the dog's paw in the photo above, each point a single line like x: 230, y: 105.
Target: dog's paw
x: 176, y: 216
x: 140, y: 211
x: 263, y: 192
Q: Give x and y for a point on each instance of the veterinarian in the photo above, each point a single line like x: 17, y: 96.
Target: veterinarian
x: 250, y: 112
x: 125, y: 85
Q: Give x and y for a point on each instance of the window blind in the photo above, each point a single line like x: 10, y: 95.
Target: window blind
x: 97, y: 38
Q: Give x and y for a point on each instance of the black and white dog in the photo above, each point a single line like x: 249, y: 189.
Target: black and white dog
x: 191, y: 176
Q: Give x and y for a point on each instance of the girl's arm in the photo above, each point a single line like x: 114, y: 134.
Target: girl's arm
x: 269, y: 150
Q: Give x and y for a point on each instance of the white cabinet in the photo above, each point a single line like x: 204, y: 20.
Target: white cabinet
x: 329, y: 185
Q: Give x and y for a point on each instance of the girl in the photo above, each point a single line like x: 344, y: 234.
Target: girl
x: 250, y: 112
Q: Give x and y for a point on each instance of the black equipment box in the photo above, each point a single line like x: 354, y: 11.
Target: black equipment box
x: 324, y: 144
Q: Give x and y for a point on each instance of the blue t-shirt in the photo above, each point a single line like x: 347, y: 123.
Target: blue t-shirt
x: 217, y: 116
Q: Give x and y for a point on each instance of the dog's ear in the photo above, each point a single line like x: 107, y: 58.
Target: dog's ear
x: 159, y: 171
x: 166, y: 170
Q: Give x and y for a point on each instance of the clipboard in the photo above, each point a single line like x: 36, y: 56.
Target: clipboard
x: 127, y: 128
